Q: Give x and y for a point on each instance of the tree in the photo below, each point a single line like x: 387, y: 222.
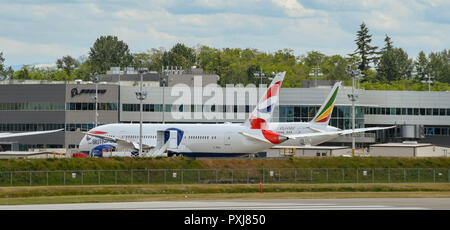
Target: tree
x: 22, y: 74
x: 67, y: 63
x: 387, y: 45
x: 394, y: 65
x: 180, y: 55
x: 83, y: 71
x: 108, y: 52
x: 422, y: 65
x: 2, y: 65
x: 334, y: 67
x: 5, y: 72
x: 364, y: 50
x: 440, y: 65
x: 313, y: 59
x: 210, y: 60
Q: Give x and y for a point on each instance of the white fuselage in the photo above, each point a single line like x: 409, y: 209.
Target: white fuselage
x: 195, y: 138
x: 287, y: 128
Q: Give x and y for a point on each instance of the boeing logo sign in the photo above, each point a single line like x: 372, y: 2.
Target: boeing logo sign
x: 74, y: 92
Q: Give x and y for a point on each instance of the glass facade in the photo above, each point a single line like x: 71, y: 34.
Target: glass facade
x: 55, y: 106
x: 90, y: 106
x: 407, y: 111
x: 81, y: 127
x: 23, y: 147
x: 341, y: 116
x: 31, y: 106
x: 43, y: 127
x: 181, y: 108
x: 437, y: 131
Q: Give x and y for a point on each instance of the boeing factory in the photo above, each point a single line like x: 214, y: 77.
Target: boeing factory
x: 420, y: 116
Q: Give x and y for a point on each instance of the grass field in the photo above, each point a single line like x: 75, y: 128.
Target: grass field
x: 117, y: 163
x: 135, y: 193
x: 400, y: 171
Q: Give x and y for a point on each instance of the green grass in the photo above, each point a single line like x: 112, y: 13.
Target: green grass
x: 117, y: 163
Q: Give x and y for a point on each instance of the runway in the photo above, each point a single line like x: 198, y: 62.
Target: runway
x: 272, y: 204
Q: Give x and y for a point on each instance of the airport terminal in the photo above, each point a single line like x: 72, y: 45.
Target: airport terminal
x: 43, y: 105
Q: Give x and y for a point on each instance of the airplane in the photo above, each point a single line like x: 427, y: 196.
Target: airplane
x: 201, y: 140
x: 256, y: 134
x: 317, y: 130
x: 9, y: 135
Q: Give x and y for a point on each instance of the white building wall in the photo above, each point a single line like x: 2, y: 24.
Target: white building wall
x: 392, y: 151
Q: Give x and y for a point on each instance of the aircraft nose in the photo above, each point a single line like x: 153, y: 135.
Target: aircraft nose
x: 83, y: 144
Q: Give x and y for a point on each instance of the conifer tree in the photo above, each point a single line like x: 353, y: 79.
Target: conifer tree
x: 388, y: 44
x: 364, y: 50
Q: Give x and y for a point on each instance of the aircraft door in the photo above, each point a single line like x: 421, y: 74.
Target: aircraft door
x: 160, y: 138
x: 173, y: 139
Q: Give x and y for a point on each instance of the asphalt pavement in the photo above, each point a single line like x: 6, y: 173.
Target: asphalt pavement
x: 269, y: 204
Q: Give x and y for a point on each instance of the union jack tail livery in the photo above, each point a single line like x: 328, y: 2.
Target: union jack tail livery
x: 324, y: 114
x: 262, y: 114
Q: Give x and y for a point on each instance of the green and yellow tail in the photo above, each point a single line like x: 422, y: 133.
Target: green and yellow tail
x: 324, y: 114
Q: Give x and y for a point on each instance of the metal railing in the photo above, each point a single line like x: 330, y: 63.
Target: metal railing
x: 231, y: 176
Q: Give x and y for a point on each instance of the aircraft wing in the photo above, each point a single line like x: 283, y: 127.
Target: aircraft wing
x: 338, y: 132
x: 8, y: 135
x: 121, y: 142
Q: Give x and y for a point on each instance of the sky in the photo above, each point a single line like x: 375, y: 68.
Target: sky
x: 40, y: 32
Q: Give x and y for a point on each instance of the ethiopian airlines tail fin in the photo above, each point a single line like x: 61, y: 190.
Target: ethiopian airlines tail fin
x: 262, y: 114
x: 324, y: 114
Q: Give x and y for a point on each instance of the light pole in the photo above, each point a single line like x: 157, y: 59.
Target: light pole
x: 260, y: 75
x: 164, y: 103
x: 141, y: 95
x: 315, y: 73
x: 95, y: 81
x: 165, y: 78
x: 353, y: 98
x: 429, y: 81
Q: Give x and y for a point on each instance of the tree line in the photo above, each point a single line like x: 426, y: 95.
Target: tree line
x: 388, y: 67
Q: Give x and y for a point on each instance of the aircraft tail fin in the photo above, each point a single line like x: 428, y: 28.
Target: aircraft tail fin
x: 262, y: 114
x: 323, y: 115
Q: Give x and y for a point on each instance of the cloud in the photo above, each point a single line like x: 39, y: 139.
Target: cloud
x: 19, y: 52
x: 43, y: 32
x: 293, y: 8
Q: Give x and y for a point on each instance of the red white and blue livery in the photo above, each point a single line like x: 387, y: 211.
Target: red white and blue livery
x: 201, y: 140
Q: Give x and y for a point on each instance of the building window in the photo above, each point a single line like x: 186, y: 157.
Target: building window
x: 435, y: 112
x: 404, y: 111
x: 422, y: 111
x: 90, y: 106
x: 32, y: 106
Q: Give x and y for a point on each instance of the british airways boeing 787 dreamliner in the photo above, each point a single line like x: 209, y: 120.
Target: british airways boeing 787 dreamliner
x: 193, y: 139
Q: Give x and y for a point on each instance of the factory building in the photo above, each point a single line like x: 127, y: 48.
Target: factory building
x: 41, y: 105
